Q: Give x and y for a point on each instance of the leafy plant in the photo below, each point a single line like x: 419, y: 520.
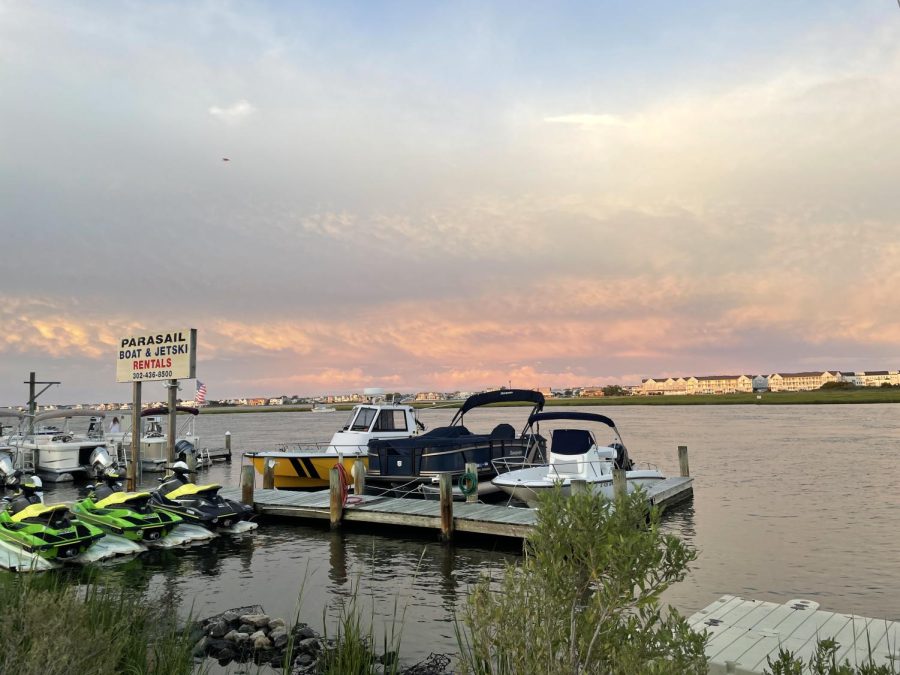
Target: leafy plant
x: 824, y: 662
x: 585, y: 599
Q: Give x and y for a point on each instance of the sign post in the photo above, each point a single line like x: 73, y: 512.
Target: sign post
x: 132, y: 477
x: 148, y: 357
x: 170, y: 440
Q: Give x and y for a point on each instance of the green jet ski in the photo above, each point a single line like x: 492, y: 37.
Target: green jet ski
x: 49, y: 531
x: 126, y: 514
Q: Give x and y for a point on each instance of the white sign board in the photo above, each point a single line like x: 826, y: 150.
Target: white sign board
x: 167, y: 355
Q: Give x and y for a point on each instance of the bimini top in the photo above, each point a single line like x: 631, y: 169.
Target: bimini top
x: 164, y: 410
x: 55, y: 414
x: 583, y: 416
x: 11, y: 413
x: 500, y: 396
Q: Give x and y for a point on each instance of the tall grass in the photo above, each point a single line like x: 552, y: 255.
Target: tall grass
x: 51, y: 627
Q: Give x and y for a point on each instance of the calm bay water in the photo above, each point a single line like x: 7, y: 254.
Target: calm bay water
x: 789, y: 502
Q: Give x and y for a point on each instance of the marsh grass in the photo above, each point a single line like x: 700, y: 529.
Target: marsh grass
x: 51, y: 627
x: 824, y: 662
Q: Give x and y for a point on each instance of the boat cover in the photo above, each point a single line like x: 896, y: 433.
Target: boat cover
x: 442, y: 449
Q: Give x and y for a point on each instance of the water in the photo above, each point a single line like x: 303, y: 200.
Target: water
x: 789, y: 502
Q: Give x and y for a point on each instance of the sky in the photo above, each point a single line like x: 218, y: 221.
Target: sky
x: 447, y: 196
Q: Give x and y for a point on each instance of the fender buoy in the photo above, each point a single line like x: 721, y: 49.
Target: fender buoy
x: 468, y: 484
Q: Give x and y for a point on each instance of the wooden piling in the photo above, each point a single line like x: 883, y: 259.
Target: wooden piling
x: 336, y: 497
x: 683, y: 465
x: 247, y: 480
x: 472, y: 468
x: 446, y: 488
x: 619, y: 484
x: 191, y: 461
x: 578, y: 486
x: 228, y: 443
x: 268, y: 474
x: 359, y: 476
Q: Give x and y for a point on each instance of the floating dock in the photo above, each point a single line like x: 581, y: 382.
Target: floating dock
x: 478, y: 518
x: 744, y: 634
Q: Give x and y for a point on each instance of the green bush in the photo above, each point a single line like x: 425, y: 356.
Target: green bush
x: 585, y: 599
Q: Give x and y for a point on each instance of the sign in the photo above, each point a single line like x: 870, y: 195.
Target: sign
x: 169, y: 355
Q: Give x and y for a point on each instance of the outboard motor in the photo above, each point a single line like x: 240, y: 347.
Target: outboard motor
x: 100, y: 460
x: 9, y: 477
x: 184, y: 449
x: 622, y: 461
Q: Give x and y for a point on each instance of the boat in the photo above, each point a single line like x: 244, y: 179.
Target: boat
x: 307, y: 465
x: 58, y: 454
x: 322, y: 408
x: 126, y: 514
x: 155, y: 441
x: 198, y: 504
x: 573, y: 454
x: 48, y: 531
x: 417, y: 463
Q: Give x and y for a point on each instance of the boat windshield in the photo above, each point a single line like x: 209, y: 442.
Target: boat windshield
x: 391, y: 420
x: 363, y: 419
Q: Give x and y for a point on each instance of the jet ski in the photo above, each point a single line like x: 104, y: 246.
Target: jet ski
x: 126, y: 514
x: 198, y: 504
x: 49, y: 531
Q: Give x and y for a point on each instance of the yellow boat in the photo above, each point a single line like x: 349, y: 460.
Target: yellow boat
x: 299, y: 470
x: 305, y: 466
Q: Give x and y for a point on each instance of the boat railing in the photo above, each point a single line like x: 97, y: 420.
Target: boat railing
x: 506, y: 464
x: 318, y: 446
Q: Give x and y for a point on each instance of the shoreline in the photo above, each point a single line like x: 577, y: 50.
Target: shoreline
x: 841, y: 397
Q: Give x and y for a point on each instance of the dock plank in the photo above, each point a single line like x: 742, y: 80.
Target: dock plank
x: 489, y: 519
x: 745, y: 633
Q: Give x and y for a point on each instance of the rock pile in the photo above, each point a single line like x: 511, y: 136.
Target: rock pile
x: 247, y: 634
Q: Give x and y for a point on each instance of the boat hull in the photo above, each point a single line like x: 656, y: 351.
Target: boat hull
x: 527, y: 484
x: 303, y: 470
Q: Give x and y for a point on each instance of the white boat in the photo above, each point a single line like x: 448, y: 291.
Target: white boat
x: 322, y: 408
x: 574, y: 454
x: 307, y: 465
x: 58, y: 454
x: 154, y: 439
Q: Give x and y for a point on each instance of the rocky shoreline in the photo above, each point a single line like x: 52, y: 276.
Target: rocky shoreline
x: 248, y: 634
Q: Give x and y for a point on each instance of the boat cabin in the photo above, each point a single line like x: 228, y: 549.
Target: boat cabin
x: 375, y: 421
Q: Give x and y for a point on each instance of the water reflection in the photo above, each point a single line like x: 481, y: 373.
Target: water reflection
x: 775, y: 516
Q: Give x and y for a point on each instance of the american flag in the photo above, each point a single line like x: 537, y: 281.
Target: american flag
x: 200, y: 396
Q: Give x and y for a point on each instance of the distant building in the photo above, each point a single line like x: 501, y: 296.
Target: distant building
x: 591, y: 392
x: 805, y: 381
x: 669, y: 386
x: 760, y: 383
x: 429, y: 396
x: 720, y: 384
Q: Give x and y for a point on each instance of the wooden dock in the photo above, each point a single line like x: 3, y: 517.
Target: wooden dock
x: 489, y: 519
x: 745, y: 633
